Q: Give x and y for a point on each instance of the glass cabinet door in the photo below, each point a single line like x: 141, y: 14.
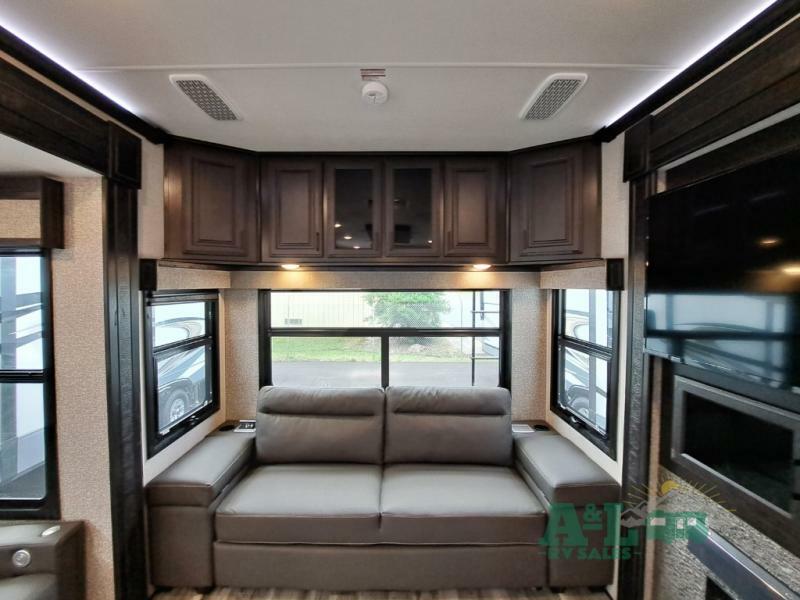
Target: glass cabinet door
x: 414, y: 207
x: 353, y: 208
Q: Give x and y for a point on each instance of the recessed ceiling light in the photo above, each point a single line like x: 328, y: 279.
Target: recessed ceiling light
x: 356, y: 247
x: 348, y: 237
x: 769, y: 241
x: 290, y: 266
x: 481, y: 266
x: 337, y: 225
x: 430, y: 241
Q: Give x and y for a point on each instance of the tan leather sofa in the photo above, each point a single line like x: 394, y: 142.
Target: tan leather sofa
x: 352, y: 489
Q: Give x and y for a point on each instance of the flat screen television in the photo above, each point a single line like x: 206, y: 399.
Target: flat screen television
x: 723, y: 274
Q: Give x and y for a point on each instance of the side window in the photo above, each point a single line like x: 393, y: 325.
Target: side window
x: 28, y: 469
x: 584, y: 360
x: 181, y: 364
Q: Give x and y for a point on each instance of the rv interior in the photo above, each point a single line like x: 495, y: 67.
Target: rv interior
x: 422, y: 300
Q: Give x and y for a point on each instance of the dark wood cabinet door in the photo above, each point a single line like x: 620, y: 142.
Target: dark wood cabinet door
x: 555, y: 204
x: 474, y: 208
x: 353, y: 208
x: 292, y: 198
x: 211, y: 204
x: 413, y: 213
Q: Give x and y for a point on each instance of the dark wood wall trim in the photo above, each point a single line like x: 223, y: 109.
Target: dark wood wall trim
x: 40, y: 116
x: 762, y: 145
x: 35, y: 114
x: 124, y: 413
x: 30, y: 57
x: 124, y: 156
x: 760, y: 83
x: 636, y: 450
x: 761, y: 25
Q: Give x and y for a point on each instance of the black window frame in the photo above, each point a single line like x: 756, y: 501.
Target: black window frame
x: 266, y: 332
x: 48, y: 507
x: 156, y: 442
x: 559, y: 341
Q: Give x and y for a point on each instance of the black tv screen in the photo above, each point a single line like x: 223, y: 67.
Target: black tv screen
x: 723, y: 274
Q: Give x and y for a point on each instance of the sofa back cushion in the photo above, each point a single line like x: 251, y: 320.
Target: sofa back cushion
x: 448, y: 425
x: 319, y: 425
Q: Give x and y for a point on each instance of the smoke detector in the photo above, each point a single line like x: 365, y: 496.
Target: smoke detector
x: 374, y: 92
x: 202, y: 93
x: 552, y: 95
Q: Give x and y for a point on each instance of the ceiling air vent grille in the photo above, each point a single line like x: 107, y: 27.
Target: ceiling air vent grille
x: 552, y: 95
x: 198, y: 89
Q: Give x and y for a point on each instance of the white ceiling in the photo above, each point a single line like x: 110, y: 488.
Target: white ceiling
x: 17, y: 158
x: 459, y: 71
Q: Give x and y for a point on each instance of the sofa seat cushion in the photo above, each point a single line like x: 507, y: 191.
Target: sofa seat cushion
x: 458, y: 504
x: 303, y: 504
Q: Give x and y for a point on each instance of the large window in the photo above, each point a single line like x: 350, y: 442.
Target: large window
x: 181, y: 367
x: 28, y: 471
x: 584, y: 359
x: 372, y: 339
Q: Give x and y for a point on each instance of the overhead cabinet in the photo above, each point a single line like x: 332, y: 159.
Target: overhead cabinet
x: 210, y: 208
x: 474, y: 208
x: 235, y: 207
x: 555, y: 204
x: 373, y: 210
x: 291, y: 203
x: 353, y: 208
x: 413, y: 208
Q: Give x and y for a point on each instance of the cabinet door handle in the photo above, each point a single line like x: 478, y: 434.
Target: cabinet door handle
x: 316, y: 243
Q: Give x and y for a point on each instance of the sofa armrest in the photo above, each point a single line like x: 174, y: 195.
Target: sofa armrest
x: 561, y: 471
x: 201, y: 474
x: 56, y: 551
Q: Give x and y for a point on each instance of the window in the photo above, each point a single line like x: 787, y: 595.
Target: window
x: 584, y: 359
x: 28, y: 469
x: 181, y: 366
x: 381, y: 338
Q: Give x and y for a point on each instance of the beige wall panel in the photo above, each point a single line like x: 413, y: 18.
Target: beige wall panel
x: 615, y: 196
x: 80, y: 364
x: 614, y: 245
x: 529, y: 344
x: 241, y: 349
x: 151, y: 202
x: 591, y: 278
x: 529, y: 347
x: 176, y: 278
x: 19, y: 219
x: 156, y: 464
x: 381, y: 280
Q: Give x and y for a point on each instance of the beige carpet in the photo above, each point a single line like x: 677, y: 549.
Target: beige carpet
x: 272, y: 594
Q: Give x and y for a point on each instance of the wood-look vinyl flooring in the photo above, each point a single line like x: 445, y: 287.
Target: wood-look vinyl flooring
x: 276, y: 594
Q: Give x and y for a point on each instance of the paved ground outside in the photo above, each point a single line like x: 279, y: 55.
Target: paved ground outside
x: 365, y: 374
